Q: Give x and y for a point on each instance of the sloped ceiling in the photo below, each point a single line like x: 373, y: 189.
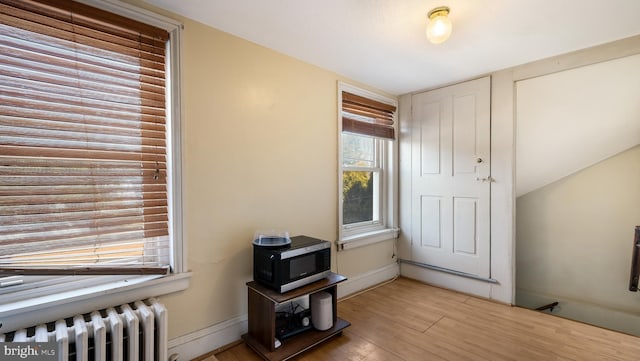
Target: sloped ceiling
x: 574, y: 119
x: 382, y: 43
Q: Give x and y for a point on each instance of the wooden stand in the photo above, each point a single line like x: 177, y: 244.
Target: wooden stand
x: 262, y: 303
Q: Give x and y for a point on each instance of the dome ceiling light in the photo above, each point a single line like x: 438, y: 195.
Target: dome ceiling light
x: 439, y: 27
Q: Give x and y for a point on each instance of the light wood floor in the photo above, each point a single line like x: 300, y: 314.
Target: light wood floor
x: 407, y: 320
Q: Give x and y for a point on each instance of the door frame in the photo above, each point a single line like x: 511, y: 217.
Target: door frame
x: 500, y: 286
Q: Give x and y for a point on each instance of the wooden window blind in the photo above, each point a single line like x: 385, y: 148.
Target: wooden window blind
x: 83, y: 149
x: 366, y: 116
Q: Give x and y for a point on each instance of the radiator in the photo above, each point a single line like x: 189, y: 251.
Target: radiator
x: 134, y: 331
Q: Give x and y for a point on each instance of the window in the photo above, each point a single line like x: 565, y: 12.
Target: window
x: 361, y: 180
x: 89, y: 143
x: 367, y: 149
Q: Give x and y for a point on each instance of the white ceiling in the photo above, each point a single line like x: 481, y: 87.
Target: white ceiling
x: 382, y: 43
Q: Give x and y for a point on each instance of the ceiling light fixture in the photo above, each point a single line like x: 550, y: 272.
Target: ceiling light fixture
x: 439, y: 27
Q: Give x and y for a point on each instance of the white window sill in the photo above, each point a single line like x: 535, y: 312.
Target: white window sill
x: 41, y: 309
x: 364, y: 239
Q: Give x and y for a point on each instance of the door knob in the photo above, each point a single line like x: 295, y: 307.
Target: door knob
x: 488, y: 179
x: 479, y: 160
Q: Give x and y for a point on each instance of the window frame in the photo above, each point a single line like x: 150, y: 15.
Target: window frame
x: 364, y: 233
x: 49, y: 298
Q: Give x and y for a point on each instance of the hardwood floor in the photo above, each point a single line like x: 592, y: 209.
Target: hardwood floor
x: 407, y: 320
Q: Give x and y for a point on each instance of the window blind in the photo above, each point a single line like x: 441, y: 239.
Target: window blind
x: 366, y: 116
x: 83, y: 170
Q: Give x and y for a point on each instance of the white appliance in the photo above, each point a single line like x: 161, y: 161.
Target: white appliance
x: 321, y: 310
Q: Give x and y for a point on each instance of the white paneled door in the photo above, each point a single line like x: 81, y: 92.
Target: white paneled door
x: 451, y: 179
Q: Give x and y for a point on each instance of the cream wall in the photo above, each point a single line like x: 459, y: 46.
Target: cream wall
x: 260, y: 151
x: 575, y: 239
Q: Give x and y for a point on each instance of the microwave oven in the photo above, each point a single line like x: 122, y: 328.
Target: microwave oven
x: 283, y: 268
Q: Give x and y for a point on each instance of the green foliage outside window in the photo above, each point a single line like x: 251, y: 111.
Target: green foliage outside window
x: 357, y: 190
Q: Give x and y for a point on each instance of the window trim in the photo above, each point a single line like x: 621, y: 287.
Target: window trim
x: 85, y: 296
x: 32, y: 304
x: 360, y: 234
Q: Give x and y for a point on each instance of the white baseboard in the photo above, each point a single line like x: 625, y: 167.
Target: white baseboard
x: 366, y: 280
x: 203, y: 341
